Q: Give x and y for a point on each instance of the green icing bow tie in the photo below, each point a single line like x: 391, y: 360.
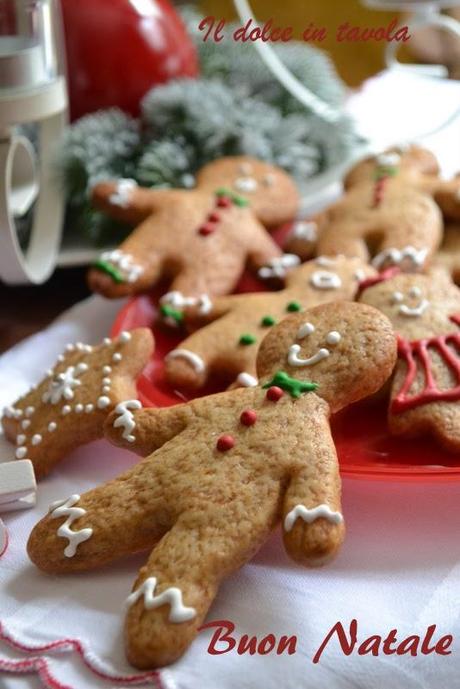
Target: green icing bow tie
x: 295, y: 387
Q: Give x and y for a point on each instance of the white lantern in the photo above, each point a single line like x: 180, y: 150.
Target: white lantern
x: 32, y: 90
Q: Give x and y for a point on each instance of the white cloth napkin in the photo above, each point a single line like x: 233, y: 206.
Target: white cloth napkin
x: 399, y: 566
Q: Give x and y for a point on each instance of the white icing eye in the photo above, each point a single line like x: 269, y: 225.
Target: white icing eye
x: 415, y: 292
x: 304, y: 330
x: 325, y: 279
x: 246, y: 184
x: 398, y: 296
x: 269, y: 180
x: 360, y: 275
x: 333, y: 337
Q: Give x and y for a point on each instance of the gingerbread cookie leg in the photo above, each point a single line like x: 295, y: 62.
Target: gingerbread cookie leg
x: 80, y: 533
x: 175, y: 589
x: 313, y: 526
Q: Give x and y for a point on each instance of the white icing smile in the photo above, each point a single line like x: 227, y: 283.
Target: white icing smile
x: 332, y: 338
x: 325, y: 279
x: 411, y: 311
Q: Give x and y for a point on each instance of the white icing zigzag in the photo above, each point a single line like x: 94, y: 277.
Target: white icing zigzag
x: 130, y: 271
x: 397, y: 256
x: 278, y: 267
x: 65, y: 508
x: 310, y: 515
x: 172, y: 595
x: 125, y: 418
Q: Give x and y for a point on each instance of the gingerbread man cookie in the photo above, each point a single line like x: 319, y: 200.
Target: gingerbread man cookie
x: 448, y: 256
x: 390, y: 211
x: 425, y: 394
x: 69, y: 406
x: 220, y: 473
x: 235, y: 325
x: 200, y: 239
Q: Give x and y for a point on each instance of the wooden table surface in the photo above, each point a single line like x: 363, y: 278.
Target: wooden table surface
x: 25, y: 310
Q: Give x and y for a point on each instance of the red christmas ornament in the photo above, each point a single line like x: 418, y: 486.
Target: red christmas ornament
x: 248, y: 417
x: 118, y: 49
x: 274, y: 393
x: 225, y: 442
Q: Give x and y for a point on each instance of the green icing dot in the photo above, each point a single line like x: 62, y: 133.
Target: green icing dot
x: 267, y: 321
x: 247, y: 339
x: 169, y: 312
x: 293, y: 306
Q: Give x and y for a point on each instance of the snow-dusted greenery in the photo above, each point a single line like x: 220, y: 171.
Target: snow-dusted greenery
x: 235, y: 107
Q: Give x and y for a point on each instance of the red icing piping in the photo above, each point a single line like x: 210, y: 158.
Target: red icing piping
x: 409, y: 352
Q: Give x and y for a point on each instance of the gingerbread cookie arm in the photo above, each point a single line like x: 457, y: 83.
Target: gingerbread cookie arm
x: 148, y: 429
x: 263, y: 248
x: 313, y: 527
x: 446, y: 193
x: 123, y: 200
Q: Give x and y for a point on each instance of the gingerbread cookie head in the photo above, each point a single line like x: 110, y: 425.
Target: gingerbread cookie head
x: 410, y: 161
x: 330, y: 274
x: 418, y: 305
x: 266, y: 189
x: 346, y: 352
x: 69, y: 406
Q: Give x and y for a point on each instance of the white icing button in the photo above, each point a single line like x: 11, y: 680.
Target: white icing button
x: 36, y: 439
x: 52, y: 426
x: 25, y: 424
x: 106, y: 381
x: 70, y: 347
x: 66, y: 409
x: 106, y: 340
x: 103, y: 402
x: 117, y: 356
x: 304, y: 330
x: 20, y: 439
x: 106, y: 389
x: 21, y: 452
x: 89, y: 408
x: 79, y: 408
x: 246, y: 380
x: 125, y: 336
x: 29, y: 411
x: 82, y: 367
x: 106, y: 370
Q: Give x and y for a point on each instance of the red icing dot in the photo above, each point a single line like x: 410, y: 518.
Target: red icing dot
x: 214, y: 217
x: 206, y: 229
x: 225, y: 442
x: 274, y: 393
x: 224, y: 202
x: 248, y: 417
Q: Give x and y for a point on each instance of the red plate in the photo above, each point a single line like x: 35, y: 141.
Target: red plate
x: 365, y: 448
